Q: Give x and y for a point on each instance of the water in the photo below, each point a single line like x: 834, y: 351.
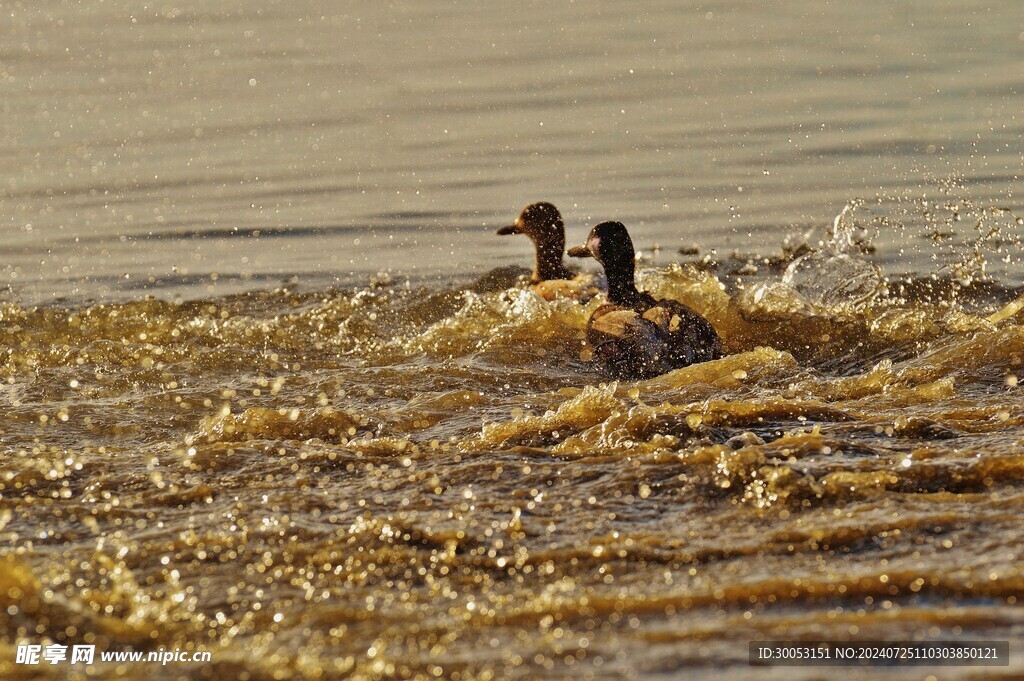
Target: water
x: 254, y: 403
x: 153, y: 142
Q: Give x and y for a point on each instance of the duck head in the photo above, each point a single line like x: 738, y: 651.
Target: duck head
x: 542, y: 222
x: 609, y: 243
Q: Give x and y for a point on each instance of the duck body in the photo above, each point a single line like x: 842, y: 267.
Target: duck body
x: 634, y: 334
x: 583, y: 287
x: 650, y: 337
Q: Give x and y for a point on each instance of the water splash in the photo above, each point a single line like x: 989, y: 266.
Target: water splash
x: 836, y: 275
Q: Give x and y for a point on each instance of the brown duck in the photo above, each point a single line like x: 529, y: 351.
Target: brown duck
x: 551, y: 278
x: 634, y: 334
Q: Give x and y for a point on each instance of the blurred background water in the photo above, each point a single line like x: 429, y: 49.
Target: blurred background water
x: 190, y: 147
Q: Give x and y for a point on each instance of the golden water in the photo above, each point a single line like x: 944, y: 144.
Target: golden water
x: 255, y: 402
x: 390, y: 481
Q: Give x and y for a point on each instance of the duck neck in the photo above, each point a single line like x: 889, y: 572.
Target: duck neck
x: 548, y: 264
x: 621, y: 284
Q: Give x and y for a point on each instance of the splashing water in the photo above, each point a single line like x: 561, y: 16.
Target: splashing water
x: 408, y: 481
x: 836, y: 275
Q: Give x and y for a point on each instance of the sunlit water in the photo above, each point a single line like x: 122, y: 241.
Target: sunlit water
x: 257, y: 402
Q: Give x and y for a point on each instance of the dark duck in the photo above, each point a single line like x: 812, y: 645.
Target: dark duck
x: 543, y: 224
x: 634, y: 334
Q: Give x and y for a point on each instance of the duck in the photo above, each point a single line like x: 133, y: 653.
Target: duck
x: 635, y: 335
x: 551, y: 278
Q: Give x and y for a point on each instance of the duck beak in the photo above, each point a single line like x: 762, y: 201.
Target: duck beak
x: 580, y: 252
x: 509, y: 229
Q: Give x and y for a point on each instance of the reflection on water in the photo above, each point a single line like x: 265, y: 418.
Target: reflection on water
x: 257, y: 402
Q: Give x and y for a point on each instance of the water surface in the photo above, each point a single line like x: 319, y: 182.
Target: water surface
x: 157, y: 142
x: 256, y: 401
